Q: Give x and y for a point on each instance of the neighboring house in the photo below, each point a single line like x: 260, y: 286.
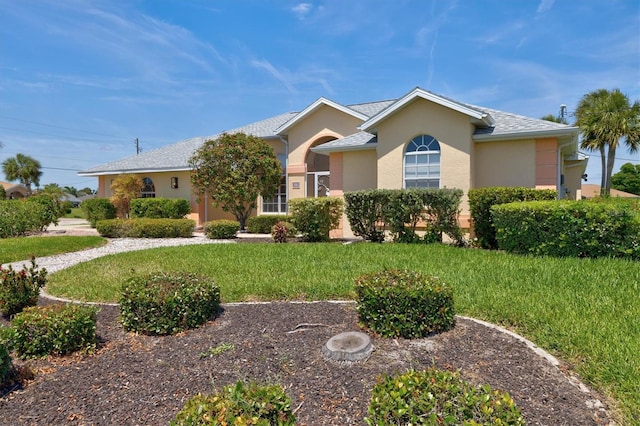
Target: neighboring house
x: 75, y: 201
x: 419, y: 140
x: 14, y: 190
x: 590, y: 190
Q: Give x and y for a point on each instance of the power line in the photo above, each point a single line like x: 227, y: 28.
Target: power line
x: 57, y: 127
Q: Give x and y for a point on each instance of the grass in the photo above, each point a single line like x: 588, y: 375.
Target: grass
x: 21, y: 248
x: 585, y: 311
x: 76, y: 213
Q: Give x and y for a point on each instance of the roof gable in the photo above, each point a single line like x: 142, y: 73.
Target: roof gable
x: 478, y: 117
x: 284, y: 129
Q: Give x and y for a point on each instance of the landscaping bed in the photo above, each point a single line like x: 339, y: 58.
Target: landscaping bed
x: 137, y: 379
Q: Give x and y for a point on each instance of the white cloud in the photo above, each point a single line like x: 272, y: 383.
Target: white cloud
x: 545, y: 5
x: 302, y: 10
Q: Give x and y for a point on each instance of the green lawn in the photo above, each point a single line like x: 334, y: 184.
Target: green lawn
x: 76, y: 213
x: 22, y: 248
x: 585, y: 311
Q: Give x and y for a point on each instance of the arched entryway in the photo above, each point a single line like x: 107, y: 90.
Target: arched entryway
x: 318, y: 166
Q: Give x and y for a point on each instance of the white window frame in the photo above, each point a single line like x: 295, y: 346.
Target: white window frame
x: 429, y: 147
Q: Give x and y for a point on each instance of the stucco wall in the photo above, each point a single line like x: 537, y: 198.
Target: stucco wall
x: 505, y: 163
x: 359, y: 170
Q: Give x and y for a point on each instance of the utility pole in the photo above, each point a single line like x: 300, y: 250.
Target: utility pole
x: 138, y: 147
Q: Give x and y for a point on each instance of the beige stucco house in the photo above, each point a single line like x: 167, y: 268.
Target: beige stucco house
x: 419, y: 140
x: 14, y: 190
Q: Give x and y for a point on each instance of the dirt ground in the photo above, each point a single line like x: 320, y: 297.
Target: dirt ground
x: 143, y: 380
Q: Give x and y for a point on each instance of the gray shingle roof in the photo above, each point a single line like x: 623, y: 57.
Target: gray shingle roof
x: 176, y: 156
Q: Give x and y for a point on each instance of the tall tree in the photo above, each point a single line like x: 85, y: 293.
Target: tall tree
x: 607, y: 119
x: 124, y: 189
x: 23, y: 168
x: 234, y: 170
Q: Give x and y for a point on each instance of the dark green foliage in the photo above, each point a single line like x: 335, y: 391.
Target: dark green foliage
x: 263, y: 224
x: 53, y: 330
x: 52, y: 209
x: 435, y: 397
x: 96, y: 209
x: 146, y: 228
x: 601, y: 228
x: 281, y: 231
x: 222, y: 229
x: 159, y: 208
x: 627, y: 179
x: 3, y: 193
x: 19, y: 289
x: 365, y: 212
x: 482, y: 199
x: 5, y: 362
x: 403, y: 211
x: 164, y: 303
x: 404, y: 303
x: 315, y: 217
x: 239, y: 404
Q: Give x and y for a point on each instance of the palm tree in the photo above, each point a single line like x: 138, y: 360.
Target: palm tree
x: 23, y: 168
x: 606, y: 119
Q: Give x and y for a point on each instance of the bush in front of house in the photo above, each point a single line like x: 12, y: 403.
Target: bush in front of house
x: 97, y: 209
x: 315, y: 217
x: 159, y: 208
x: 221, y: 229
x: 18, y: 217
x: 20, y: 289
x: 402, y: 303
x: 5, y: 361
x: 281, y: 231
x: 602, y: 228
x: 53, y: 330
x: 167, y: 303
x: 365, y: 212
x: 51, y: 210
x: 146, y: 228
x: 262, y: 224
x: 436, y: 397
x: 482, y: 199
x: 239, y: 404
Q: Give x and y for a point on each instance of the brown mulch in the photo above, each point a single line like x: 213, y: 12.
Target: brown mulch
x: 145, y: 380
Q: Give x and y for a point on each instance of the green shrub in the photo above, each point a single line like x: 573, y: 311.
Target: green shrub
x: 434, y: 397
x: 52, y: 210
x: 160, y: 208
x: 96, y: 209
x: 164, y: 303
x: 239, y: 404
x: 315, y: 217
x: 365, y: 212
x: 569, y: 228
x: 404, y: 303
x: 19, y: 289
x: 54, y: 330
x: 263, y: 224
x: 5, y: 363
x: 482, y: 199
x: 222, y: 229
x: 20, y: 217
x: 146, y: 228
x: 3, y: 193
x: 281, y: 231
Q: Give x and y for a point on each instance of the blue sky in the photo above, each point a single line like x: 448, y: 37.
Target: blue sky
x: 81, y: 79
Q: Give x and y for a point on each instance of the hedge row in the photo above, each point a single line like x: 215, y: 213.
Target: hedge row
x: 569, y: 228
x: 402, y: 210
x: 160, y: 208
x: 27, y: 215
x: 482, y: 199
x: 146, y: 228
x: 96, y: 209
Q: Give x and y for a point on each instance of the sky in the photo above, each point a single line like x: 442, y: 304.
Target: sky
x: 81, y: 80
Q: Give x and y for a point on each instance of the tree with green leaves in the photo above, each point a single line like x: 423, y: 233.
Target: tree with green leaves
x: 606, y: 120
x: 124, y: 189
x: 24, y: 169
x: 234, y: 170
x: 554, y: 118
x: 627, y: 179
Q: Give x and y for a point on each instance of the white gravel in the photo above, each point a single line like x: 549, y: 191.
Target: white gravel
x: 117, y: 245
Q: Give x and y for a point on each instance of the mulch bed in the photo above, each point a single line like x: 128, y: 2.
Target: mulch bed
x: 145, y: 380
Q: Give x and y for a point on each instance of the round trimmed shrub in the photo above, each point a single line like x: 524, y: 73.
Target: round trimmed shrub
x: 167, y: 303
x: 283, y: 230
x: 53, y: 330
x: 402, y: 303
x: 222, y: 229
x: 435, y: 397
x: 239, y: 404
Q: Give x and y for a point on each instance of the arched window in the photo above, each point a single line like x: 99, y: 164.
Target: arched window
x: 148, y: 189
x: 422, y: 163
